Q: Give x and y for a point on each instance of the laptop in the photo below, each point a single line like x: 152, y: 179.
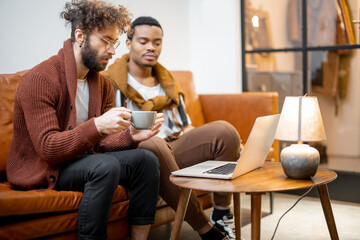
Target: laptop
x: 252, y: 156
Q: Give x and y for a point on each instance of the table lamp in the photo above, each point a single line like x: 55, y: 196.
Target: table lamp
x: 300, y: 121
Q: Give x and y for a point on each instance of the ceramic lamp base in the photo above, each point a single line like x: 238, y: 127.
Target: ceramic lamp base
x: 300, y: 161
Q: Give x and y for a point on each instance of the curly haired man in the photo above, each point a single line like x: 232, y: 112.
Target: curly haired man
x: 69, y: 136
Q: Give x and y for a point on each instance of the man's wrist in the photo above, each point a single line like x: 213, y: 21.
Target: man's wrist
x: 98, y: 126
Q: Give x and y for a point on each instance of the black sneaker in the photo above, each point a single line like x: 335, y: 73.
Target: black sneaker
x: 225, y: 224
x: 214, y: 234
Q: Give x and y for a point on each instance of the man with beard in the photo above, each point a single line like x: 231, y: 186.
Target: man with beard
x: 69, y: 136
x: 144, y: 84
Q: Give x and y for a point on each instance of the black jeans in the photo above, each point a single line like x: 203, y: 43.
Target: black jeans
x: 98, y: 176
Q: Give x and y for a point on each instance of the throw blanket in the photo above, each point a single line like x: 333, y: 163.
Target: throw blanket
x: 118, y: 74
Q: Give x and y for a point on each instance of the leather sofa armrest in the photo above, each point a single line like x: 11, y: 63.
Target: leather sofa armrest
x: 241, y: 110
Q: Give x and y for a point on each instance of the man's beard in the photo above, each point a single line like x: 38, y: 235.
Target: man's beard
x: 149, y: 65
x: 90, y: 58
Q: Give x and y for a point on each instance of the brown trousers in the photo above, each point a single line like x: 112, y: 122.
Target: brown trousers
x: 217, y: 140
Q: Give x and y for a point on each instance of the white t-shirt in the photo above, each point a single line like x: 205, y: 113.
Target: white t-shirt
x: 82, y: 101
x: 147, y: 93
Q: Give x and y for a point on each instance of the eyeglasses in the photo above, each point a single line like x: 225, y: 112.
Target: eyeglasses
x: 109, y: 44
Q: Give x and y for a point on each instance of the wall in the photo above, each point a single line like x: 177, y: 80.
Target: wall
x: 214, y: 36
x: 199, y: 35
x: 31, y: 31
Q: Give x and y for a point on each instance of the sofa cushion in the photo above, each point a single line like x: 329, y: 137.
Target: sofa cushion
x: 8, y: 86
x: 42, y: 226
x: 18, y: 202
x: 192, y: 101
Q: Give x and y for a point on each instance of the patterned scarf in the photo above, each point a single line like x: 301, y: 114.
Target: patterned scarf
x: 118, y: 74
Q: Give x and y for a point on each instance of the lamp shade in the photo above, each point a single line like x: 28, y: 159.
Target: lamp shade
x: 300, y: 120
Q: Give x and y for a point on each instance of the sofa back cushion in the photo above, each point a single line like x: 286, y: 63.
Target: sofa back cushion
x: 241, y: 110
x: 192, y: 101
x: 8, y: 86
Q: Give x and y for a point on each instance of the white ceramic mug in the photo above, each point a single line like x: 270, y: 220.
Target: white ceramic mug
x: 143, y: 119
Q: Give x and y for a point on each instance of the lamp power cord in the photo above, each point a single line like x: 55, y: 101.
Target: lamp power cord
x: 301, y: 197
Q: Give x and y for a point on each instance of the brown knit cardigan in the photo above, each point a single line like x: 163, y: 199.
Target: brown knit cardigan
x: 45, y: 131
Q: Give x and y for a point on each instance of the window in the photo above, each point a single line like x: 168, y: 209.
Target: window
x: 293, y: 55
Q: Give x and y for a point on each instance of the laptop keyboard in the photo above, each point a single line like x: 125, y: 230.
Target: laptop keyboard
x: 223, y: 170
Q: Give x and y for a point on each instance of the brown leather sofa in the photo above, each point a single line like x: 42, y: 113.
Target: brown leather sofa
x: 50, y: 214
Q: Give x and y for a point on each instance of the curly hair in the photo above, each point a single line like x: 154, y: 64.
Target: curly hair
x: 88, y: 15
x: 143, y: 20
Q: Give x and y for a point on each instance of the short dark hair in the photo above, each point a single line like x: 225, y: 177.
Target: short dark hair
x: 90, y: 14
x: 144, y: 20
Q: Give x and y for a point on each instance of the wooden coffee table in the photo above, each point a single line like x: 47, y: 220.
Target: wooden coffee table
x: 269, y: 178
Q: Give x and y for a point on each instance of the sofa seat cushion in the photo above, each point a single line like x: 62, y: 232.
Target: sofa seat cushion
x: 18, y: 202
x: 43, y: 225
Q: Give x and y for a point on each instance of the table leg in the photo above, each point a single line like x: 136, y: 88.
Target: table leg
x: 326, y: 205
x: 180, y: 213
x: 255, y: 215
x: 237, y: 209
